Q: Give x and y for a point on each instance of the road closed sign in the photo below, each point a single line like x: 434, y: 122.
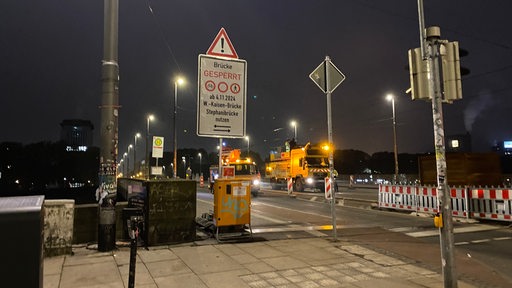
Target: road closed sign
x: 221, y: 102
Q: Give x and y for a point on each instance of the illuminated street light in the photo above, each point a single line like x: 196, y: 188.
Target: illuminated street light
x: 294, y: 125
x: 149, y: 118
x: 128, y: 160
x: 248, y: 145
x: 391, y: 98
x: 178, y: 81
x: 137, y: 135
x: 200, y: 162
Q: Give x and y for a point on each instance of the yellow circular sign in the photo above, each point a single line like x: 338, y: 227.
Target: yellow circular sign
x: 158, y: 142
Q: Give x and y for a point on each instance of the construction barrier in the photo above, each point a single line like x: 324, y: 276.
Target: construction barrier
x: 289, y: 185
x: 491, y: 204
x: 397, y: 197
x: 328, y: 188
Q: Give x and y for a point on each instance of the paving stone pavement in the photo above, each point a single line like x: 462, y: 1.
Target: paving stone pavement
x: 304, y: 263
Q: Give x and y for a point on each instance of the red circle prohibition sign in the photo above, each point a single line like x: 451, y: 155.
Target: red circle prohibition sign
x: 209, y: 85
x: 235, y: 88
x: 223, y: 87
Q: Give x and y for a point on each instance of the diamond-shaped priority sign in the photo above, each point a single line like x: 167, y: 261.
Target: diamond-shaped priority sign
x: 327, y: 76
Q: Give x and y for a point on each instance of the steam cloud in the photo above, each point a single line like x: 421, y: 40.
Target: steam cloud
x: 475, y: 107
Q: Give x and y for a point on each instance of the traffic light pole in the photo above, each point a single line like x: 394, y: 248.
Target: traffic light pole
x: 430, y: 48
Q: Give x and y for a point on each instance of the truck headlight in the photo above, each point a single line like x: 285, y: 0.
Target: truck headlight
x: 255, y: 182
x: 309, y: 180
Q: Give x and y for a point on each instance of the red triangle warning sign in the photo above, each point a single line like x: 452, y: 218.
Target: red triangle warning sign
x: 222, y: 46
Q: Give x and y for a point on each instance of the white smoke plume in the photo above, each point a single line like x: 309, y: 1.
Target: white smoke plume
x: 475, y: 107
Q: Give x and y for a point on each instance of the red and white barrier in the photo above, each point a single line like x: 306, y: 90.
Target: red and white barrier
x: 492, y: 204
x: 289, y: 185
x: 328, y: 188
x: 397, y: 197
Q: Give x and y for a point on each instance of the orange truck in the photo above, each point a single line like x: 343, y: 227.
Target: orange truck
x: 307, y: 166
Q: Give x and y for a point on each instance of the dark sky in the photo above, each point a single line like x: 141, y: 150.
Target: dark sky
x: 51, y: 54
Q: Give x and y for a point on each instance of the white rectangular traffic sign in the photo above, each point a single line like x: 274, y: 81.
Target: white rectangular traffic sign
x: 221, y: 97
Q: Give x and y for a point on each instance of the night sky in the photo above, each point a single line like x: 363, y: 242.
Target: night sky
x: 51, y: 54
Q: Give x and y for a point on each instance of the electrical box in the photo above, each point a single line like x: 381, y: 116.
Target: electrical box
x: 22, y: 221
x: 232, y: 202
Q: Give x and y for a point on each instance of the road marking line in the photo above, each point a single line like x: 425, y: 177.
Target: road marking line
x: 501, y: 238
x: 475, y: 228
x: 481, y: 241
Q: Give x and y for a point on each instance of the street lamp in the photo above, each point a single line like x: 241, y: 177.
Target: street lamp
x: 200, y: 160
x: 135, y: 171
x: 178, y: 81
x: 248, y: 145
x: 391, y: 98
x: 127, y: 166
x: 149, y: 118
x: 184, y: 165
x: 294, y: 125
x: 128, y: 160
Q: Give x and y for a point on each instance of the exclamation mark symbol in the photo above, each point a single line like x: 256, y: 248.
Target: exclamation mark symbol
x: 222, y: 45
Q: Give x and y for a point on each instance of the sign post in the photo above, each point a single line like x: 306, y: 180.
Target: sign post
x: 328, y: 77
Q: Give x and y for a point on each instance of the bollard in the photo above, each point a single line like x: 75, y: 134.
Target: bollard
x: 134, y: 224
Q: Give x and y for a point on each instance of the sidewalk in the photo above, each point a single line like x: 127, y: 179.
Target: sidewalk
x: 304, y: 262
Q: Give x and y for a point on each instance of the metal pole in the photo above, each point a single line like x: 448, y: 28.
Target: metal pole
x: 430, y: 52
x: 331, y: 157
x: 220, y: 157
x: 443, y: 195
x: 147, y: 148
x: 107, y: 189
x: 175, y: 160
x: 395, y: 148
x: 135, y: 155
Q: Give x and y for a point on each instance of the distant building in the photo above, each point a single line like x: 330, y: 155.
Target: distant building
x: 458, y: 143
x: 503, y: 147
x: 77, y: 134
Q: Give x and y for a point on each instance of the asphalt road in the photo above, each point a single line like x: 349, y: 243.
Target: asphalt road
x: 275, y: 215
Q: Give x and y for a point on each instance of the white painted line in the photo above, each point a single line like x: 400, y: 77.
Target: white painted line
x: 481, y: 241
x: 501, y: 238
x: 461, y: 243
x: 472, y: 228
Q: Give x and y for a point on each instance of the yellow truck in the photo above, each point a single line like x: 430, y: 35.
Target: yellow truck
x: 307, y: 166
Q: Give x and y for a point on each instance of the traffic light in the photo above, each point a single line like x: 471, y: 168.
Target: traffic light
x: 450, y: 75
x: 452, y: 84
x: 419, y: 75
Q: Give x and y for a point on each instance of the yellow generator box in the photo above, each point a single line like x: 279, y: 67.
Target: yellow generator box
x: 232, y: 202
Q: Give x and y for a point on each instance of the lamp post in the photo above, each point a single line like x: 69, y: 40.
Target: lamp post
x: 135, y: 171
x: 248, y: 145
x: 200, y: 162
x: 294, y: 125
x: 127, y: 166
x: 391, y: 98
x: 184, y: 165
x: 177, y: 82
x: 149, y: 118
x: 128, y: 160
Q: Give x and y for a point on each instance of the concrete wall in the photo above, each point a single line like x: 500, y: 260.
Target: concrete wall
x: 58, y: 226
